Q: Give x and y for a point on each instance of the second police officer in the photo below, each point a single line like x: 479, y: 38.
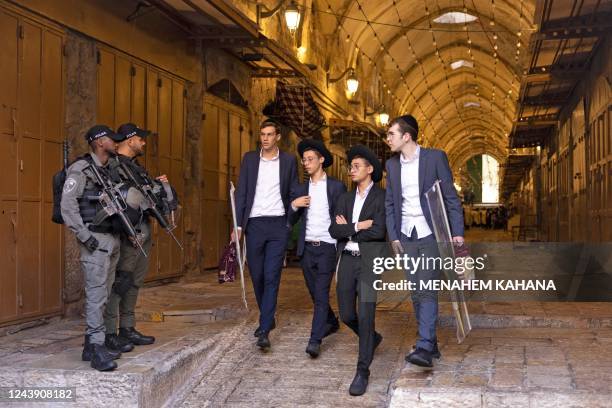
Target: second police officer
x: 133, y: 264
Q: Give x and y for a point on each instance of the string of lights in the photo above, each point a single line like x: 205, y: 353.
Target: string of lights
x: 349, y: 39
x: 444, y: 68
x: 471, y: 55
x: 374, y: 62
x: 383, y: 59
x: 409, y: 90
x: 401, y: 26
x: 382, y: 46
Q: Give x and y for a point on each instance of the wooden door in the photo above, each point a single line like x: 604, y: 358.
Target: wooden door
x: 130, y: 90
x: 165, y: 116
x: 599, y: 178
x: 31, y: 132
x: 579, y: 205
x: 564, y: 183
x: 226, y: 136
x: 8, y: 165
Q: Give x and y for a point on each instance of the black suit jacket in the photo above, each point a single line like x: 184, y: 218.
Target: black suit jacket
x: 433, y: 165
x: 373, y: 209
x: 335, y: 188
x: 249, y: 169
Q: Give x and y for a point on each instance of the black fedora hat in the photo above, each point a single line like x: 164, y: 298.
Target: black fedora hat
x: 363, y: 151
x: 319, y: 146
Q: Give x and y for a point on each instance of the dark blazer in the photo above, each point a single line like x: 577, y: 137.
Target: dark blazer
x: 433, y: 165
x: 335, y: 188
x: 249, y: 169
x: 373, y: 209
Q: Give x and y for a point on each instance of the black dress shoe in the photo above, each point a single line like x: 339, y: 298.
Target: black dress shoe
x: 88, y: 351
x: 101, y: 359
x: 313, y: 349
x: 135, y: 337
x: 258, y: 330
x: 263, y: 342
x: 377, y: 340
x: 435, y: 353
x: 331, y: 328
x: 114, y: 342
x: 359, y: 385
x: 420, y: 357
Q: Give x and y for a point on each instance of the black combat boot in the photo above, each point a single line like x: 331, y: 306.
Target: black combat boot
x: 135, y: 337
x: 88, y: 351
x: 101, y: 359
x: 114, y: 342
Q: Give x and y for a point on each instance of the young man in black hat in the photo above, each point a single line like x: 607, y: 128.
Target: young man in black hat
x: 409, y: 175
x: 317, y: 249
x: 266, y: 186
x: 359, y: 220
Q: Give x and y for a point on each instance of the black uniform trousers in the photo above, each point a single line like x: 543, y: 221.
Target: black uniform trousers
x: 356, y: 314
x: 319, y: 264
x: 266, y: 243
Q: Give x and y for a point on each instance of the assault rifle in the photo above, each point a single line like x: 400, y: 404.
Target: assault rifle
x: 147, y: 190
x: 113, y: 203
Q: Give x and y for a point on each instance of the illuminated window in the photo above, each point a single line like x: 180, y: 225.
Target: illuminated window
x: 455, y: 17
x: 461, y: 63
x: 471, y: 105
x: 490, y: 179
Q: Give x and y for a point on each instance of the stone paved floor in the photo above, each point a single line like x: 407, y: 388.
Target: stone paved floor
x: 59, y: 344
x: 489, y: 362
x: 287, y: 376
x: 571, y: 356
x: 515, y: 367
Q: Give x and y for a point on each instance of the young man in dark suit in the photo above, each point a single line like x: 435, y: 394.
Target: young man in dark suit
x: 409, y: 175
x: 317, y: 249
x: 359, y: 220
x: 267, y: 179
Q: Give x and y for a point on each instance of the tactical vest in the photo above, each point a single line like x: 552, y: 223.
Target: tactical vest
x: 142, y: 178
x: 129, y: 191
x: 89, y: 205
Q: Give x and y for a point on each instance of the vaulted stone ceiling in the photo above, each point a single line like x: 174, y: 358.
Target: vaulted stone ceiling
x: 461, y: 80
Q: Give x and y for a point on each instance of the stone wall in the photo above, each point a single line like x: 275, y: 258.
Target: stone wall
x: 192, y: 173
x: 166, y: 47
x: 80, y: 70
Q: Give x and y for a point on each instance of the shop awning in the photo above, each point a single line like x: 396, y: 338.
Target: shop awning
x: 220, y: 25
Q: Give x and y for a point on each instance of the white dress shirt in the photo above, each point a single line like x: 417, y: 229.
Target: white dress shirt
x: 412, y: 213
x: 359, y: 201
x: 268, y: 201
x: 317, y: 220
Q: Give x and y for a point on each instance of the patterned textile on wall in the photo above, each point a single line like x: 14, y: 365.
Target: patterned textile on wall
x: 295, y: 108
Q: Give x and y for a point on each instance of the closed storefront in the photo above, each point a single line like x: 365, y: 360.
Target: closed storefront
x: 226, y: 136
x: 31, y: 134
x: 130, y: 90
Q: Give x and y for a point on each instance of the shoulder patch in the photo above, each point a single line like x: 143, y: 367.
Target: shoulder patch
x: 69, y: 185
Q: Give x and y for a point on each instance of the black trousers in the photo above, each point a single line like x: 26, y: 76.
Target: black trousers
x: 266, y: 243
x: 356, y: 314
x: 319, y: 264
